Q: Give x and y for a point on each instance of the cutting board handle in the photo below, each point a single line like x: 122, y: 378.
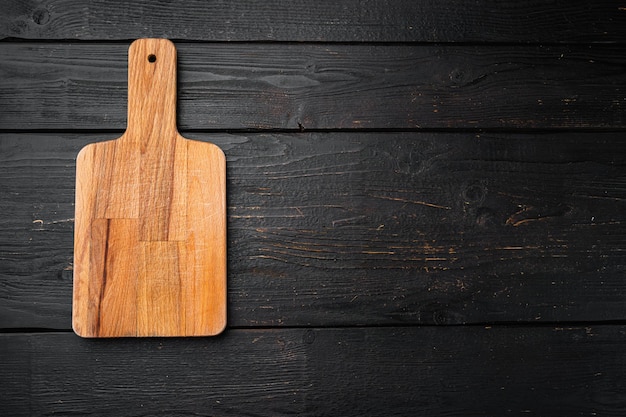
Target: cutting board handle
x: 151, y: 91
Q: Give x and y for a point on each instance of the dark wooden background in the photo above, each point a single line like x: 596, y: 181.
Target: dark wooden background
x: 426, y: 206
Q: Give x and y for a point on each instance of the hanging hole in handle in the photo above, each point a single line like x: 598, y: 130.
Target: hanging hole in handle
x: 151, y: 58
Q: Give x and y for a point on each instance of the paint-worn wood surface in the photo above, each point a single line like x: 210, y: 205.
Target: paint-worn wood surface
x: 487, y: 21
x: 150, y: 231
x: 326, y: 86
x: 425, y: 206
x: 376, y: 371
x: 381, y: 228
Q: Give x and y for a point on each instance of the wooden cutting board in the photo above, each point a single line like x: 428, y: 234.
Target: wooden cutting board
x: 150, y: 222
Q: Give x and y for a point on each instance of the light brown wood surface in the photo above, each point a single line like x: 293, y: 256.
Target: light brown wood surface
x: 150, y: 222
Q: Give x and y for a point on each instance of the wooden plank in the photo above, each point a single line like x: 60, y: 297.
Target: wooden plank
x: 469, y: 371
x: 363, y: 228
x: 336, y: 21
x: 324, y: 86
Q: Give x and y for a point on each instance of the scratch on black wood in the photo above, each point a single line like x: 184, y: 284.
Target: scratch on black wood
x: 531, y: 214
x: 416, y: 202
x: 347, y: 221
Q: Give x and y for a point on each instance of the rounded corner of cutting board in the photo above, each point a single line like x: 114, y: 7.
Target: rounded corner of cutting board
x: 219, y: 330
x: 154, y: 40
x: 78, y: 330
x: 84, y: 151
x: 151, y: 43
x: 208, y: 145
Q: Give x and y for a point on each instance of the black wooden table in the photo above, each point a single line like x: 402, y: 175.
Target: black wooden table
x: 426, y: 206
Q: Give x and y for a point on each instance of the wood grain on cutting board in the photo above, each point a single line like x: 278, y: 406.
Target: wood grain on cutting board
x: 150, y: 227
